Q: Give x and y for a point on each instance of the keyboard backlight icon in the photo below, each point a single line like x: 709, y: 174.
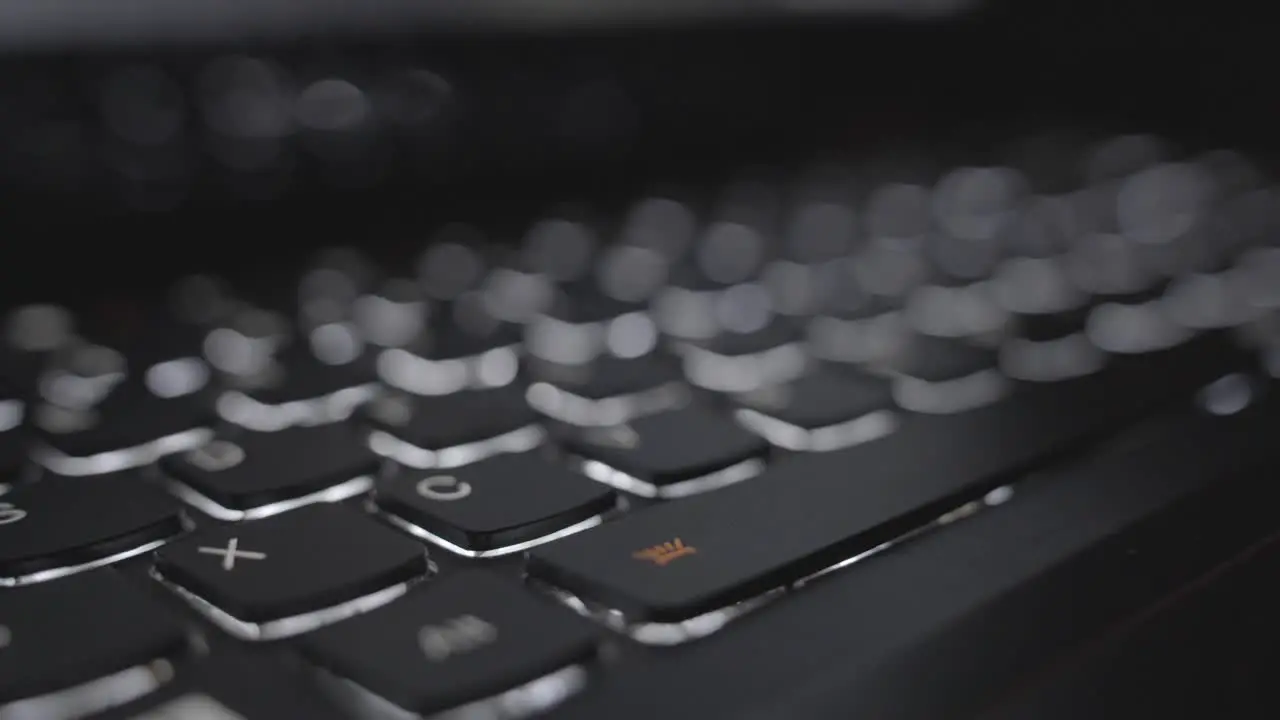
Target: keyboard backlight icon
x: 662, y: 554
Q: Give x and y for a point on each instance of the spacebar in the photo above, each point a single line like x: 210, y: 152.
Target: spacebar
x: 679, y: 560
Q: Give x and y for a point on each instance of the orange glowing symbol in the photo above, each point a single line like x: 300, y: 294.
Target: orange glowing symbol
x: 666, y: 552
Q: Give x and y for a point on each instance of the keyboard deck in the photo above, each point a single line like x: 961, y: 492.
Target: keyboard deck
x: 507, y: 479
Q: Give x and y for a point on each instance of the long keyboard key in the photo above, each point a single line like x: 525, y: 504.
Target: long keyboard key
x: 60, y: 524
x: 1013, y: 593
x: 939, y: 626
x: 61, y: 635
x: 674, y: 562
x: 466, y: 638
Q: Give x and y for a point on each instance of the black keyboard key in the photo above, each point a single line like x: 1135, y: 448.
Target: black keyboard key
x: 131, y: 427
x: 62, y: 635
x: 304, y: 376
x: 872, y: 334
x: 821, y: 410
x: 676, y: 561
x: 774, y: 332
x: 469, y: 637
x: 450, y: 339
x: 1113, y: 267
x: 1045, y: 304
x: 235, y: 683
x: 495, y: 506
x: 190, y: 705
x: 299, y: 388
x: 734, y: 361
x: 609, y: 376
x: 97, y: 410
x: 956, y: 311
x: 298, y: 563
x: 32, y: 333
x: 448, y: 430
x: 582, y: 304
x: 448, y: 366
x: 939, y: 360
x: 669, y: 454
x: 248, y: 475
x: 51, y: 527
x: 944, y: 375
x: 608, y: 390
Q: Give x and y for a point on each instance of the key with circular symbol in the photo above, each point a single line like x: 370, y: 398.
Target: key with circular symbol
x: 496, y: 506
x: 248, y: 475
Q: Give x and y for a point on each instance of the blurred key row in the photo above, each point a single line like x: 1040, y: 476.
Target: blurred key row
x: 599, y: 318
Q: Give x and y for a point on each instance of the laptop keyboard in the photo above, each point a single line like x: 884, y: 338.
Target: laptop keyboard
x: 469, y: 482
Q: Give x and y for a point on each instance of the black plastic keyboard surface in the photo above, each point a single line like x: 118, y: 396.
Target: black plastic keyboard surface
x: 715, y: 454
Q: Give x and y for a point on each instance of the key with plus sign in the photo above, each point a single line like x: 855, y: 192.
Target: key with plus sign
x: 301, y: 562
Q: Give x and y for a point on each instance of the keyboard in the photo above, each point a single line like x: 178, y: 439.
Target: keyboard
x: 713, y: 451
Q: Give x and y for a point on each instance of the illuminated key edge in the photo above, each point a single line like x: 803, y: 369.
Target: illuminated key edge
x: 384, y: 444
x: 345, y: 490
x: 95, y: 696
x: 948, y: 397
x: 424, y: 534
x: 704, y: 624
x: 295, y: 624
x: 524, y: 700
x: 837, y: 436
x: 238, y: 408
x: 69, y: 570
x: 581, y: 411
x: 122, y: 459
x: 615, y: 478
x: 469, y: 370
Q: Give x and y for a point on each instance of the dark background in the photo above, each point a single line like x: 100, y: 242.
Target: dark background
x: 538, y: 117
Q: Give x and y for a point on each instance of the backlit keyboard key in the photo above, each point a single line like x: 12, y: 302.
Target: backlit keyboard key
x: 468, y: 638
x: 92, y: 639
x: 496, y: 506
x: 249, y: 475
x: 293, y: 572
x: 669, y: 454
x: 60, y: 525
x: 454, y: 429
